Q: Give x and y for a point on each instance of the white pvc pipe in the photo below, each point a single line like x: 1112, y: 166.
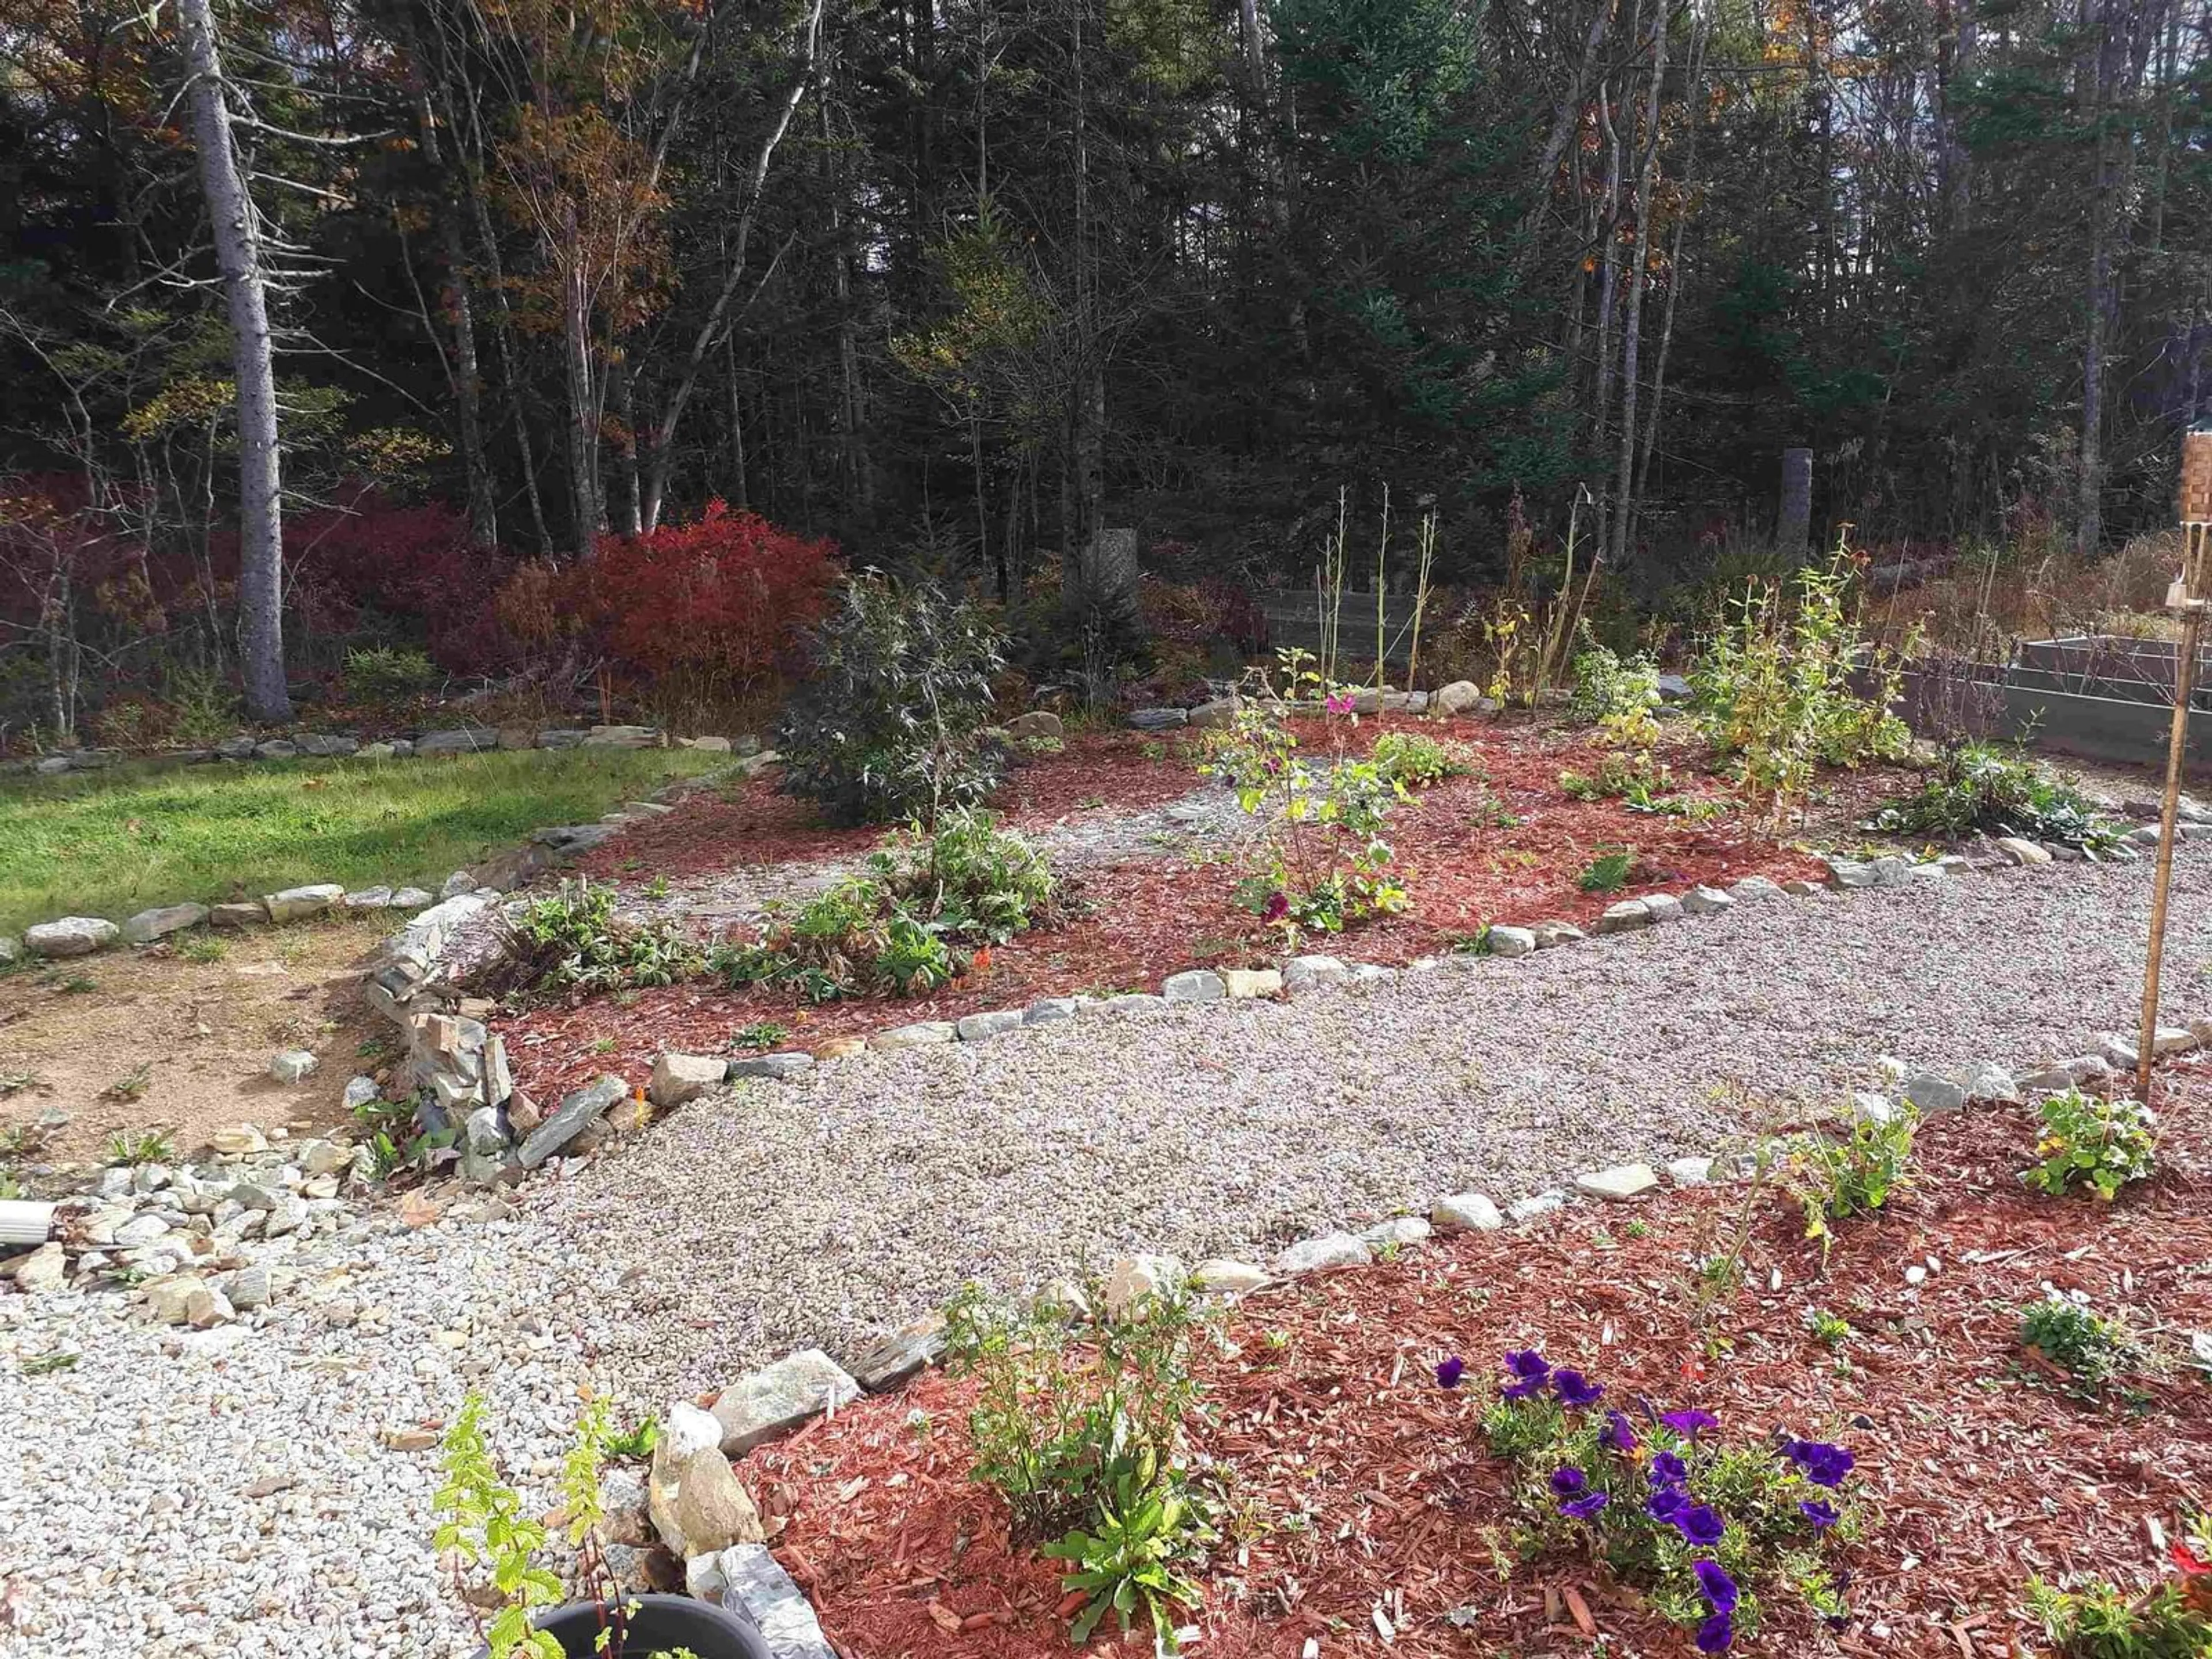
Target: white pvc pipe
x: 22, y: 1222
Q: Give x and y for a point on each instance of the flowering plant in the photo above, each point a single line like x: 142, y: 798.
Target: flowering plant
x: 1702, y: 1526
x: 2106, y: 1144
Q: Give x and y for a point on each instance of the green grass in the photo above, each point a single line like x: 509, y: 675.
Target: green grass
x: 109, y: 843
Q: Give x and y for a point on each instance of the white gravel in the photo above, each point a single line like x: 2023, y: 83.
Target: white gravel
x: 816, y: 1211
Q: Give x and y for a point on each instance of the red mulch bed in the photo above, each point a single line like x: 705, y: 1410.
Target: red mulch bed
x: 1977, y: 1473
x: 1147, y: 917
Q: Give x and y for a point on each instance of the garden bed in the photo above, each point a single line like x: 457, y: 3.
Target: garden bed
x: 1147, y: 903
x: 1359, y: 1494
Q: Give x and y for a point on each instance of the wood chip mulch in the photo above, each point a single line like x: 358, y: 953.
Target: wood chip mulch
x: 1141, y: 918
x: 1359, y: 1495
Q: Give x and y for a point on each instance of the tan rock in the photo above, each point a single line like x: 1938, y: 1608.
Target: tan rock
x: 696, y: 1502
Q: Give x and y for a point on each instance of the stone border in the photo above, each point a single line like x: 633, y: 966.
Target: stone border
x: 782, y: 1397
x: 424, y: 743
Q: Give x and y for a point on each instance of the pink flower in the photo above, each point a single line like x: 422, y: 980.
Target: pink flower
x: 1339, y: 702
x: 1278, y: 907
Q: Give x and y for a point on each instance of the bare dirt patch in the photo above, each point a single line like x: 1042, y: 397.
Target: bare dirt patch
x: 133, y: 1040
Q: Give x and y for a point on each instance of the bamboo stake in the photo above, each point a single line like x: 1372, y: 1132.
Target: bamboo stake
x: 2189, y: 598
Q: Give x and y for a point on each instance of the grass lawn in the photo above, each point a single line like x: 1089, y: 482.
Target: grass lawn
x: 109, y: 843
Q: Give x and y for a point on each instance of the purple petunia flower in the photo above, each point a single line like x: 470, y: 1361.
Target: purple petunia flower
x: 1719, y: 1588
x: 1570, y: 1481
x: 1576, y: 1390
x: 1530, y: 1372
x: 1278, y: 907
x: 1617, y: 1434
x: 1668, y: 1470
x: 1716, y: 1634
x: 1665, y: 1503
x: 1339, y: 702
x: 1690, y: 1424
x: 1582, y: 1509
x: 1822, y: 1464
x: 1450, y: 1370
x: 1821, y: 1513
x: 1700, y: 1523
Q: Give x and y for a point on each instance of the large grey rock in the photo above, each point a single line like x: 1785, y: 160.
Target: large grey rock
x: 1131, y: 1002
x: 1690, y: 1171
x: 778, y: 1067
x: 1506, y: 941
x: 276, y: 749
x: 1706, y: 902
x: 454, y: 885
x: 1196, y: 985
x: 11, y: 949
x: 462, y: 740
x: 696, y: 1502
x: 1399, y: 1232
x: 368, y: 898
x: 1850, y: 873
x: 250, y: 914
x: 1987, y: 1080
x: 1465, y: 1213
x: 2067, y: 1074
x: 679, y: 1080
x: 890, y: 1360
x: 1223, y: 1277
x: 1249, y: 984
x: 326, y: 746
x: 237, y: 748
x: 1157, y: 719
x: 297, y: 903
x: 1623, y: 917
x: 1047, y: 1010
x: 291, y: 1065
x: 1755, y: 887
x: 922, y: 1034
x: 1932, y: 1094
x: 1663, y: 907
x: 577, y: 1111
x: 1620, y: 1183
x: 1536, y: 1204
x: 1456, y: 698
x: 1306, y: 973
x: 755, y: 1585
x: 2020, y: 850
x: 1134, y: 1280
x: 1553, y: 933
x: 1037, y: 723
x: 44, y: 1270
x: 1327, y: 1253
x: 158, y: 923
x: 780, y: 1398
x: 69, y: 936
x: 981, y: 1028
x: 621, y: 737
x: 1891, y: 871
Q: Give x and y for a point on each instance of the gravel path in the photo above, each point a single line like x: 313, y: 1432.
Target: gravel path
x: 148, y: 1514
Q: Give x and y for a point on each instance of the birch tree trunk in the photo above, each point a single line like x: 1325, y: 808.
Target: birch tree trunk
x: 237, y: 256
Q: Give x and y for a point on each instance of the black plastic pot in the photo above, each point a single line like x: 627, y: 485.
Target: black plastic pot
x: 646, y: 1624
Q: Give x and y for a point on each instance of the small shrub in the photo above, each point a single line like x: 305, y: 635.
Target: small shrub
x: 1773, y: 688
x: 1999, y: 792
x: 1415, y: 759
x: 1128, y: 1565
x: 978, y: 881
x: 385, y: 674
x: 889, y: 723
x: 1836, y: 1177
x: 1608, y: 872
x: 2098, y: 1620
x: 2103, y: 1144
x: 1702, y: 1529
x: 1325, y: 862
x: 1616, y: 695
x: 572, y: 940
x: 2089, y: 1348
x: 1056, y: 1428
x: 760, y: 1034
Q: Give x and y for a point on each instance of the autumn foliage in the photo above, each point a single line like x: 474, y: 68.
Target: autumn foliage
x: 707, y: 611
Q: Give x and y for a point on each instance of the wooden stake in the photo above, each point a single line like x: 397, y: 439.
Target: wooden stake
x: 2193, y: 540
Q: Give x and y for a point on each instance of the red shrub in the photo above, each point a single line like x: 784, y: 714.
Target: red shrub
x: 706, y: 610
x: 375, y: 558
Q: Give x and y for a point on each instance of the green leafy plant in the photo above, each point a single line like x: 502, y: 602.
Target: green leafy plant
x: 132, y: 1085
x: 202, y: 948
x: 889, y: 724
x: 975, y: 879
x: 1773, y: 688
x: 1416, y: 759
x: 572, y: 940
x: 1616, y: 695
x: 2098, y: 1620
x: 1830, y: 1330
x: 1608, y: 872
x: 760, y: 1034
x: 1127, y: 1565
x: 2103, y: 1144
x: 1835, y: 1177
x: 1999, y: 792
x: 1325, y: 864
x: 2090, y: 1349
x: 636, y: 1442
x: 137, y: 1146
